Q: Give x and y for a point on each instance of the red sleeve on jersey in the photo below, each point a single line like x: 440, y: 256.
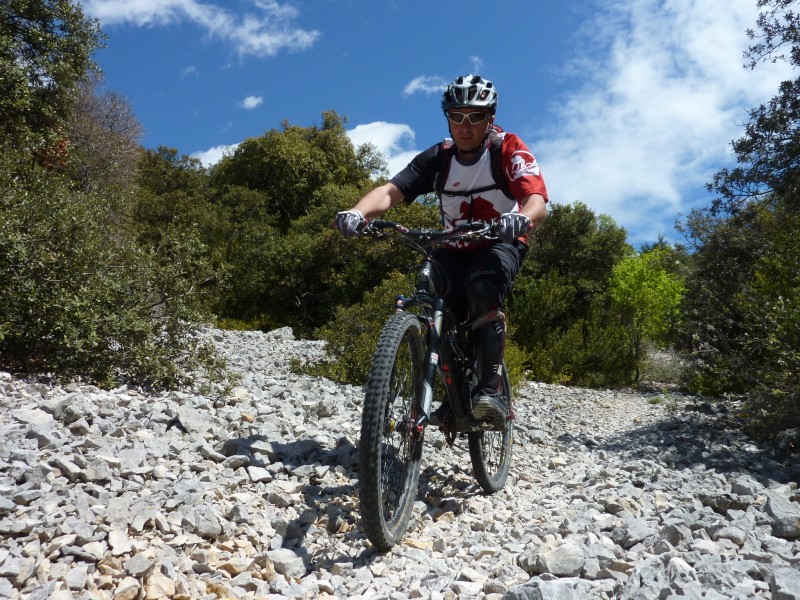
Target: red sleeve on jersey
x: 520, y: 168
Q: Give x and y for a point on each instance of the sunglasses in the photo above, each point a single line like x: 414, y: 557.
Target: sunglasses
x: 474, y: 118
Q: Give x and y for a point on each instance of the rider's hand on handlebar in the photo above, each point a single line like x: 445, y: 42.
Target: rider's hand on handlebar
x: 348, y: 222
x: 511, y: 226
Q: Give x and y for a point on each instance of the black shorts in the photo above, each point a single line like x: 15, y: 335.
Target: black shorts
x: 499, y: 262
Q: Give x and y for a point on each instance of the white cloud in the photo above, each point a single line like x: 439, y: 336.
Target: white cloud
x: 394, y: 140
x: 251, y: 102
x: 213, y: 155
x: 425, y: 84
x: 190, y: 71
x: 263, y: 33
x: 664, y: 94
x: 434, y: 84
x: 477, y: 65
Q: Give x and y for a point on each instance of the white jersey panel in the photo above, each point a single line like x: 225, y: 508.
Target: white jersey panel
x: 484, y: 206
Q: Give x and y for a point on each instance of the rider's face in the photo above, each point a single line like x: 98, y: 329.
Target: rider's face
x: 467, y: 134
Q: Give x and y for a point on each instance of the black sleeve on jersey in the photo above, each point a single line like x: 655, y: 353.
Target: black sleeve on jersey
x: 419, y: 176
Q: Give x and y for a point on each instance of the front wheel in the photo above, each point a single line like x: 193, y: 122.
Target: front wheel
x: 391, y: 447
x: 490, y: 451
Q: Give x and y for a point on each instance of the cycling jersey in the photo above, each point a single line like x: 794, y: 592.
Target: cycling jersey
x: 458, y: 205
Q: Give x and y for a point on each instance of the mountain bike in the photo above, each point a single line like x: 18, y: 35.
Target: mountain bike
x: 423, y: 354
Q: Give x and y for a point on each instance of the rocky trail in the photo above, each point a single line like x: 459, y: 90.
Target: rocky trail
x: 613, y: 494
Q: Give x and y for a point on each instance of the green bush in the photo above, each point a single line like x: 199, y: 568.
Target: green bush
x: 352, y: 335
x: 608, y: 359
x: 590, y: 353
x: 517, y: 361
x: 560, y: 300
x: 646, y: 299
x: 78, y: 296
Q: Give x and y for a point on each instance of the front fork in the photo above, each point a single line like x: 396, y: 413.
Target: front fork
x: 431, y: 363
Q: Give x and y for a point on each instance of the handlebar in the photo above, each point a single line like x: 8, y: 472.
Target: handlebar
x: 423, y: 239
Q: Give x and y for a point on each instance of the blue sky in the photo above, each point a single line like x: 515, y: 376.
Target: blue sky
x: 629, y: 107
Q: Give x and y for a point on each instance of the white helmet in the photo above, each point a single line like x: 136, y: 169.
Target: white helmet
x: 470, y: 91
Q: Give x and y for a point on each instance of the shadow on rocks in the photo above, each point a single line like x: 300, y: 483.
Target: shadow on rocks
x: 446, y: 487
x: 322, y: 503
x: 707, y: 435
x: 263, y: 452
x: 332, y: 502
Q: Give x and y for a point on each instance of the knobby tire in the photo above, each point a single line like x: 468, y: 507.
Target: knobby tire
x: 490, y: 451
x: 390, y: 451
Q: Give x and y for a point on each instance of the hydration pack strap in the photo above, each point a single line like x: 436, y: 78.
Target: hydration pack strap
x: 469, y: 193
x: 495, y: 158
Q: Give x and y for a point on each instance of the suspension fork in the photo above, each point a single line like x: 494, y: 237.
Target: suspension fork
x: 431, y: 362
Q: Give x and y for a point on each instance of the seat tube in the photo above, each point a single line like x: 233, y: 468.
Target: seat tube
x: 432, y: 358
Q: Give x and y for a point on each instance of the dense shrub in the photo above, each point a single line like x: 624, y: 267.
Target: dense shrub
x: 560, y: 306
x: 742, y: 313
x: 78, y: 297
x: 591, y: 353
x: 351, y: 337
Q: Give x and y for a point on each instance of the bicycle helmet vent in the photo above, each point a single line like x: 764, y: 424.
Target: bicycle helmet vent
x: 470, y: 91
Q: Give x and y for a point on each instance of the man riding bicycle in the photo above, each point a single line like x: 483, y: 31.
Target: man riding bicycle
x: 481, y: 174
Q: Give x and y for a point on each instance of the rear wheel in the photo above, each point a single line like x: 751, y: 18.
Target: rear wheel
x: 391, y: 447
x: 490, y: 451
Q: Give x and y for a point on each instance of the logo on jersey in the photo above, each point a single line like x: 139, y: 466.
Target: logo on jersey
x: 479, y: 209
x: 523, y: 163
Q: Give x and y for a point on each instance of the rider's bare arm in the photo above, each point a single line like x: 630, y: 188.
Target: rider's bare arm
x: 379, y: 200
x: 533, y: 207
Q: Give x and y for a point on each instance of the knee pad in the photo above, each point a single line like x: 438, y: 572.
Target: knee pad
x: 483, y: 296
x: 496, y: 316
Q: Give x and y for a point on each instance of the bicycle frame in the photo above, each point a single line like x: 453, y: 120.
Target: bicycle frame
x: 450, y: 358
x: 414, y: 349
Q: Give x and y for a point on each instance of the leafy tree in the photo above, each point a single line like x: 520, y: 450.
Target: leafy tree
x: 726, y: 250
x: 769, y: 360
x: 741, y: 302
x: 297, y: 272
x: 291, y: 164
x: 561, y: 291
x: 104, y: 138
x: 647, y: 298
x: 164, y: 170
x: 78, y: 297
x: 768, y: 153
x: 45, y: 51
x: 581, y: 248
x: 172, y: 193
x: 279, y: 193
